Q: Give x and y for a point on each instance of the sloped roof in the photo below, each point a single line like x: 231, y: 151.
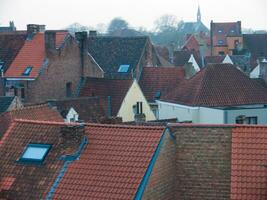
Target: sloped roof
x: 90, y: 109
x: 256, y: 45
x: 35, y: 112
x: 104, y: 87
x: 111, y: 166
x: 161, y: 79
x: 249, y: 163
x: 111, y: 52
x: 32, y: 54
x: 5, y: 103
x: 209, y: 87
x: 10, y: 45
x: 181, y: 57
x: 193, y: 27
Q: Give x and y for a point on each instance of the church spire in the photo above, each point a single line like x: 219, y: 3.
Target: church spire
x: 198, y: 14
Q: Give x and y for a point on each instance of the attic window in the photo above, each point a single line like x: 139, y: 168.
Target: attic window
x: 220, y: 31
x: 35, y: 153
x: 123, y: 68
x: 27, y: 71
x: 220, y: 41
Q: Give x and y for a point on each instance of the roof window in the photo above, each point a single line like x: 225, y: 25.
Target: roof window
x: 220, y: 41
x: 35, y: 153
x: 27, y: 71
x: 124, y: 68
x: 219, y: 31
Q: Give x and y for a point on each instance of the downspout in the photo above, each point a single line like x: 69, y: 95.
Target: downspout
x: 68, y: 159
x: 109, y: 107
x: 225, y: 115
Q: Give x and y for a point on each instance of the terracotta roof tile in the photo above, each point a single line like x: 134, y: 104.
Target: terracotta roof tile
x: 103, y: 87
x: 249, y: 163
x: 32, y: 54
x: 111, y: 166
x: 163, y: 79
x: 37, y: 112
x: 209, y: 87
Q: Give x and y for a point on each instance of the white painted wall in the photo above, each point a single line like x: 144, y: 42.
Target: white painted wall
x: 205, y: 115
x: 134, y: 95
x: 255, y: 73
x: 261, y: 113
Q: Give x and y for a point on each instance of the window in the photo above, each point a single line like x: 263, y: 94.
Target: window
x: 27, y: 71
x: 232, y: 31
x: 22, y: 93
x: 221, y: 53
x: 35, y: 153
x: 158, y: 94
x: 138, y: 108
x: 220, y: 42
x: 220, y: 31
x: 251, y: 120
x: 1, y: 65
x: 123, y: 68
x: 69, y: 89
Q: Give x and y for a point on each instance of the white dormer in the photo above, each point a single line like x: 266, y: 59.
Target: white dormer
x: 227, y: 60
x: 255, y: 73
x: 194, y: 63
x: 72, y: 116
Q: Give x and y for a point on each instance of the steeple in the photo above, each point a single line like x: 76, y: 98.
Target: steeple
x: 198, y: 14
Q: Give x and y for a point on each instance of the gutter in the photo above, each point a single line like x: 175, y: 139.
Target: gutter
x: 68, y: 159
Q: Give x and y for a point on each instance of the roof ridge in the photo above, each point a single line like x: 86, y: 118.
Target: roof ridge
x: 8, y: 131
x: 216, y: 125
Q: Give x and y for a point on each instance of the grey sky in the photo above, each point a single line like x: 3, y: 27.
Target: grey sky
x: 60, y: 13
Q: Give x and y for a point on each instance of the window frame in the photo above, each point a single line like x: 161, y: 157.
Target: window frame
x: 34, y: 160
x: 27, y: 69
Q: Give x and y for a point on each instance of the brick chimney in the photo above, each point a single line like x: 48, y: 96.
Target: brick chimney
x: 35, y: 28
x: 81, y: 37
x: 71, y: 137
x: 50, y: 41
x: 263, y: 70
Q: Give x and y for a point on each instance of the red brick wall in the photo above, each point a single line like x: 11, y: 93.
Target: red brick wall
x: 203, y: 161
x: 64, y: 66
x: 161, y: 183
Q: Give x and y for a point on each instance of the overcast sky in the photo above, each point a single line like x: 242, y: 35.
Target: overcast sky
x: 60, y: 13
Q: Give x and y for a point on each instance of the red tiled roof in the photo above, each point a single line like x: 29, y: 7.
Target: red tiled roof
x: 32, y: 54
x: 163, y: 79
x: 249, y: 163
x: 180, y: 58
x: 210, y: 87
x: 37, y: 112
x: 10, y: 45
x: 111, y: 166
x: 103, y: 87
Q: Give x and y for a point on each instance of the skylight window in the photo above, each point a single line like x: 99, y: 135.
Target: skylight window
x: 124, y: 68
x: 35, y: 153
x: 27, y: 71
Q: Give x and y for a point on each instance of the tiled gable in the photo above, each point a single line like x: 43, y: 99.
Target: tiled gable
x: 159, y: 79
x: 32, y: 55
x: 103, y: 87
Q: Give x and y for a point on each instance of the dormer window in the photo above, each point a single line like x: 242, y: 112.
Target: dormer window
x: 27, y: 71
x: 220, y: 42
x: 123, y: 68
x: 220, y: 31
x: 35, y: 153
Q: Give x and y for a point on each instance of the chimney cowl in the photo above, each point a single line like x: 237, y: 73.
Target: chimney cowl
x: 72, y: 135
